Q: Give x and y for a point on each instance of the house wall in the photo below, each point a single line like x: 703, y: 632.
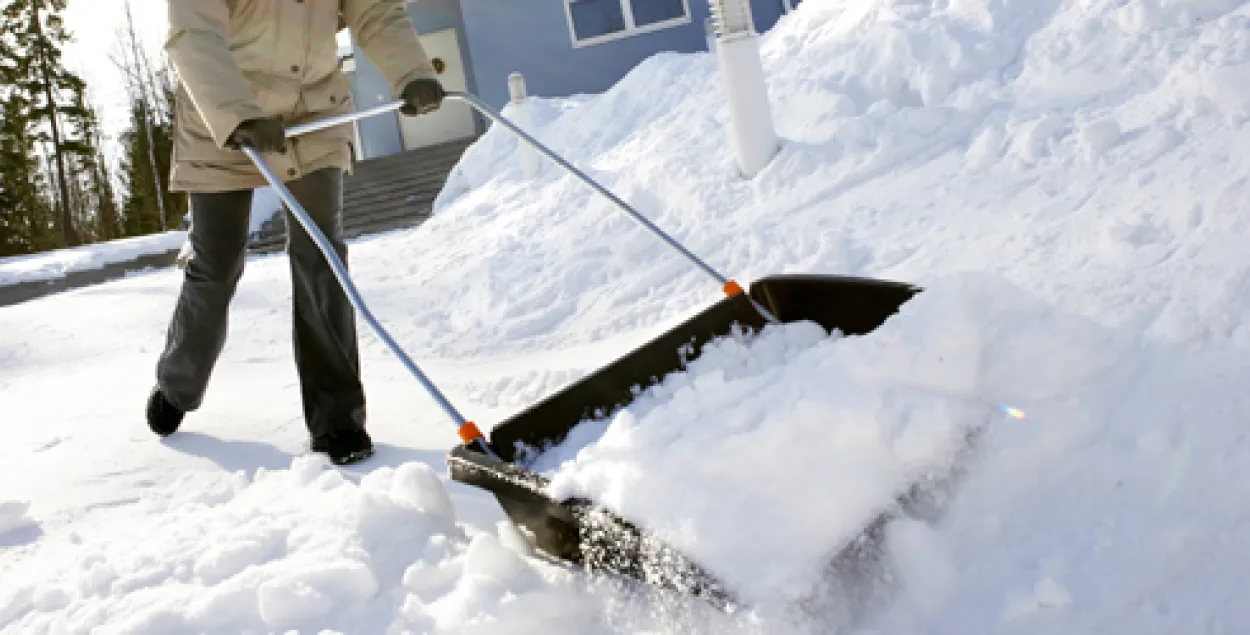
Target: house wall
x: 767, y: 12
x: 435, y: 15
x: 380, y: 135
x: 533, y: 38
x: 498, y: 37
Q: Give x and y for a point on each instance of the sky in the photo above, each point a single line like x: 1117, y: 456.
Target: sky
x: 95, y: 26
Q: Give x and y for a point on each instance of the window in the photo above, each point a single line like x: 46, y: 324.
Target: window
x: 595, y: 21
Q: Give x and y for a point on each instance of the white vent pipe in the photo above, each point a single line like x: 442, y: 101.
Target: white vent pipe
x: 737, y: 46
x: 518, y: 93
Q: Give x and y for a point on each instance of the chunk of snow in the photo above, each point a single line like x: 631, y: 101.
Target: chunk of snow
x: 288, y: 602
x: 13, y: 515
x: 1097, y: 136
x: 416, y: 484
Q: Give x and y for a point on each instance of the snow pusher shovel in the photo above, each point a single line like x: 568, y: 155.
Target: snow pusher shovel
x: 577, y: 531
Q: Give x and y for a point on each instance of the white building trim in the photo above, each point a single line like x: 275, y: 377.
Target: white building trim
x: 631, y: 28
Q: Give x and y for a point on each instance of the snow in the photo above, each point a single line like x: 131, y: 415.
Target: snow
x: 13, y: 515
x: 1066, y: 179
x: 860, y: 418
x: 265, y: 204
x: 54, y: 264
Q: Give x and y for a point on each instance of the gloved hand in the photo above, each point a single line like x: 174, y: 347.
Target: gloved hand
x: 264, y: 135
x: 422, y: 96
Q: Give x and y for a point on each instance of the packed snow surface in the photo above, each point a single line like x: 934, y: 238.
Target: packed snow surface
x: 1066, y: 179
x: 55, y: 264
x: 815, y: 436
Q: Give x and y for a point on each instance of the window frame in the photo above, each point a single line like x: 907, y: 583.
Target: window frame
x: 631, y: 28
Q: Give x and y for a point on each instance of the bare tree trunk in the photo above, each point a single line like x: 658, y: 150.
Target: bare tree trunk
x: 142, y: 72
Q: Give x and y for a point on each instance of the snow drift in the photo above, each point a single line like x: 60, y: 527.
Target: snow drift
x: 1066, y: 178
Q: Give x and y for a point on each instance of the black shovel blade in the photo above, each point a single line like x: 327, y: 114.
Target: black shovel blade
x: 579, y: 532
x: 576, y: 531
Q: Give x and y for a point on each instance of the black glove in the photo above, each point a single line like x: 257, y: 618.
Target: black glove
x: 263, y: 135
x: 422, y: 96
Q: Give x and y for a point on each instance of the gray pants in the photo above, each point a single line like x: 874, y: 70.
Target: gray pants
x: 326, y: 353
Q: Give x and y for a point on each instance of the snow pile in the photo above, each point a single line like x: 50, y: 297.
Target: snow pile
x: 1054, y: 142
x: 798, y: 440
x: 13, y: 516
x: 284, y: 549
x: 265, y: 206
x: 1052, y: 172
x: 55, y: 264
x: 303, y: 548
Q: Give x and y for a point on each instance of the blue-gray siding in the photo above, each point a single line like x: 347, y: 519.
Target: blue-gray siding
x: 378, y: 135
x: 381, y: 135
x: 532, y: 37
x: 498, y: 37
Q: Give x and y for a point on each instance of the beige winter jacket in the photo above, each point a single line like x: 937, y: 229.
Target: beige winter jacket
x: 244, y: 59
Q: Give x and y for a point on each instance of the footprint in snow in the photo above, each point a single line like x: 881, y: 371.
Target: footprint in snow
x: 1140, y: 242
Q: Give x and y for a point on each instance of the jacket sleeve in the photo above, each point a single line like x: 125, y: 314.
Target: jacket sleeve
x: 198, y: 47
x: 383, y: 29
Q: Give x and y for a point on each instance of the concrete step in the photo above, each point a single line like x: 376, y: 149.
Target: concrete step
x: 364, y: 182
x: 366, y: 223
x: 385, y: 193
x: 276, y: 244
x: 438, y: 152
x: 406, y: 163
x: 363, y: 202
x: 360, y: 219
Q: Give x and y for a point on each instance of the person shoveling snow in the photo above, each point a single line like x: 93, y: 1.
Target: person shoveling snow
x: 220, y: 95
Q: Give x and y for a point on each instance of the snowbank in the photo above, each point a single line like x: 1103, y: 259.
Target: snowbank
x: 1068, y: 181
x: 55, y: 264
x: 301, y: 548
x: 1043, y: 141
x: 265, y: 205
x: 13, y: 515
x: 798, y: 440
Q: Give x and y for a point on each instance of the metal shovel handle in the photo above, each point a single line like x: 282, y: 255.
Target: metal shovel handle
x: 729, y: 286
x: 468, y: 431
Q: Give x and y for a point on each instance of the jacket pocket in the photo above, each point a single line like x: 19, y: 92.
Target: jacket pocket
x: 331, y: 96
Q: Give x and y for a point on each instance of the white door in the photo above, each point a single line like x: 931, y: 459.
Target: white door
x: 454, y: 119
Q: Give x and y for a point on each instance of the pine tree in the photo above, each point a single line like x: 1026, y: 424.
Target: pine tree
x: 141, y: 208
x: 25, y: 217
x: 95, y: 207
x: 36, y: 33
x: 108, y: 220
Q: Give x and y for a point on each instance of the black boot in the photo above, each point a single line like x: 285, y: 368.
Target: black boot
x: 347, y: 444
x: 163, y: 417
